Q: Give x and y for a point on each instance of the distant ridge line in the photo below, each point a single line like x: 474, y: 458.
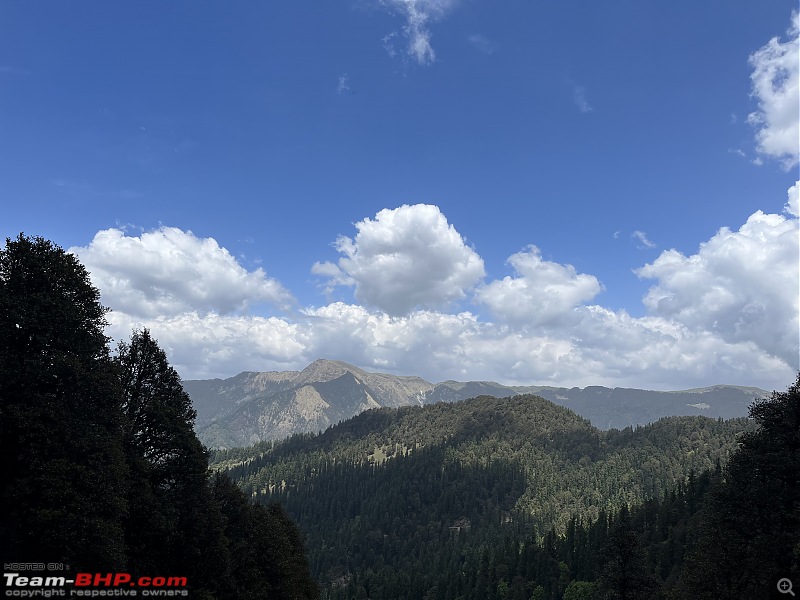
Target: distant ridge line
x: 255, y: 406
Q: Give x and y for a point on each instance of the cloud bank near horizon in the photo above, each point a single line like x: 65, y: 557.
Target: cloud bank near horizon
x: 725, y: 314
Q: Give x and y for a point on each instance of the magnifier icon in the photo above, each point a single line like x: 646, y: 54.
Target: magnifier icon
x: 785, y: 586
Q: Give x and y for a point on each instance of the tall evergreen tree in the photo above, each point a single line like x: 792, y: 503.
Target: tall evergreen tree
x: 60, y: 416
x: 103, y: 471
x: 624, y: 574
x: 180, y: 521
x: 174, y: 524
x: 750, y: 530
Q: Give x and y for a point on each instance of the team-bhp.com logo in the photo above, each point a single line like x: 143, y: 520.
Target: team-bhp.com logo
x: 92, y: 585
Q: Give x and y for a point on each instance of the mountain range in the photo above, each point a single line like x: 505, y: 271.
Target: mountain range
x: 252, y: 407
x: 411, y: 502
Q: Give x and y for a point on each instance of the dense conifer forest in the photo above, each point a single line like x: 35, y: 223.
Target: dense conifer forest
x: 518, y: 498
x: 103, y: 471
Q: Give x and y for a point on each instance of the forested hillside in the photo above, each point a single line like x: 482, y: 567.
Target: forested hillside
x: 403, y: 503
x: 103, y: 470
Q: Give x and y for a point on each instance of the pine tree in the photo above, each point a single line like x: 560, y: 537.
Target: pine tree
x: 60, y: 414
x: 174, y: 524
x: 750, y: 522
x: 624, y: 574
x: 103, y: 471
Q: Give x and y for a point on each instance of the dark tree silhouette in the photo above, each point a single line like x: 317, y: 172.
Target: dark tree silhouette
x: 60, y: 413
x: 624, y: 574
x: 173, y: 525
x: 750, y: 530
x: 102, y: 468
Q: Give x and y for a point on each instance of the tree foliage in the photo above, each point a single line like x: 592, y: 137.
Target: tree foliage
x: 103, y: 469
x: 489, y: 498
x: 749, y: 536
x: 172, y: 525
x: 60, y: 415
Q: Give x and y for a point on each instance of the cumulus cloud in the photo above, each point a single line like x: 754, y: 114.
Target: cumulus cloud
x: 406, y: 258
x: 776, y: 87
x: 666, y: 354
x: 793, y: 204
x: 543, y: 293
x: 725, y: 314
x: 601, y: 347
x: 741, y: 286
x: 170, y: 271
x: 376, y: 338
x: 333, y: 273
x: 204, y: 346
x: 418, y: 15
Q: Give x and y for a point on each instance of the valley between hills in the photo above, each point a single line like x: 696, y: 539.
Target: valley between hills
x: 475, y: 490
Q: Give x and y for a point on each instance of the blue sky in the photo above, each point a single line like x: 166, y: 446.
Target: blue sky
x: 525, y: 192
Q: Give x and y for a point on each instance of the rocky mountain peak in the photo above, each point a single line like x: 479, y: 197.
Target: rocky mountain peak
x: 322, y: 370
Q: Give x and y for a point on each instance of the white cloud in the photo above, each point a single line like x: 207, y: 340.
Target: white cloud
x: 544, y: 293
x: 776, y: 87
x: 793, y: 203
x: 741, y: 286
x: 726, y: 314
x: 372, y: 338
x: 602, y: 347
x: 332, y: 272
x: 418, y: 15
x: 169, y: 271
x: 405, y: 258
x: 579, y: 97
x: 666, y: 354
x: 333, y: 276
x: 641, y: 237
x: 204, y: 346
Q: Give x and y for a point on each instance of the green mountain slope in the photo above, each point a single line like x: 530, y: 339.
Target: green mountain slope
x: 393, y: 492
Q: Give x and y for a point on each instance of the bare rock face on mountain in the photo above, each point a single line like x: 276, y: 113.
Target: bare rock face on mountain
x: 252, y: 407
x: 215, y: 399
x: 389, y: 390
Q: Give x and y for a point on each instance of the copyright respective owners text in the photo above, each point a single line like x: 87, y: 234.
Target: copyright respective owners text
x: 57, y: 580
